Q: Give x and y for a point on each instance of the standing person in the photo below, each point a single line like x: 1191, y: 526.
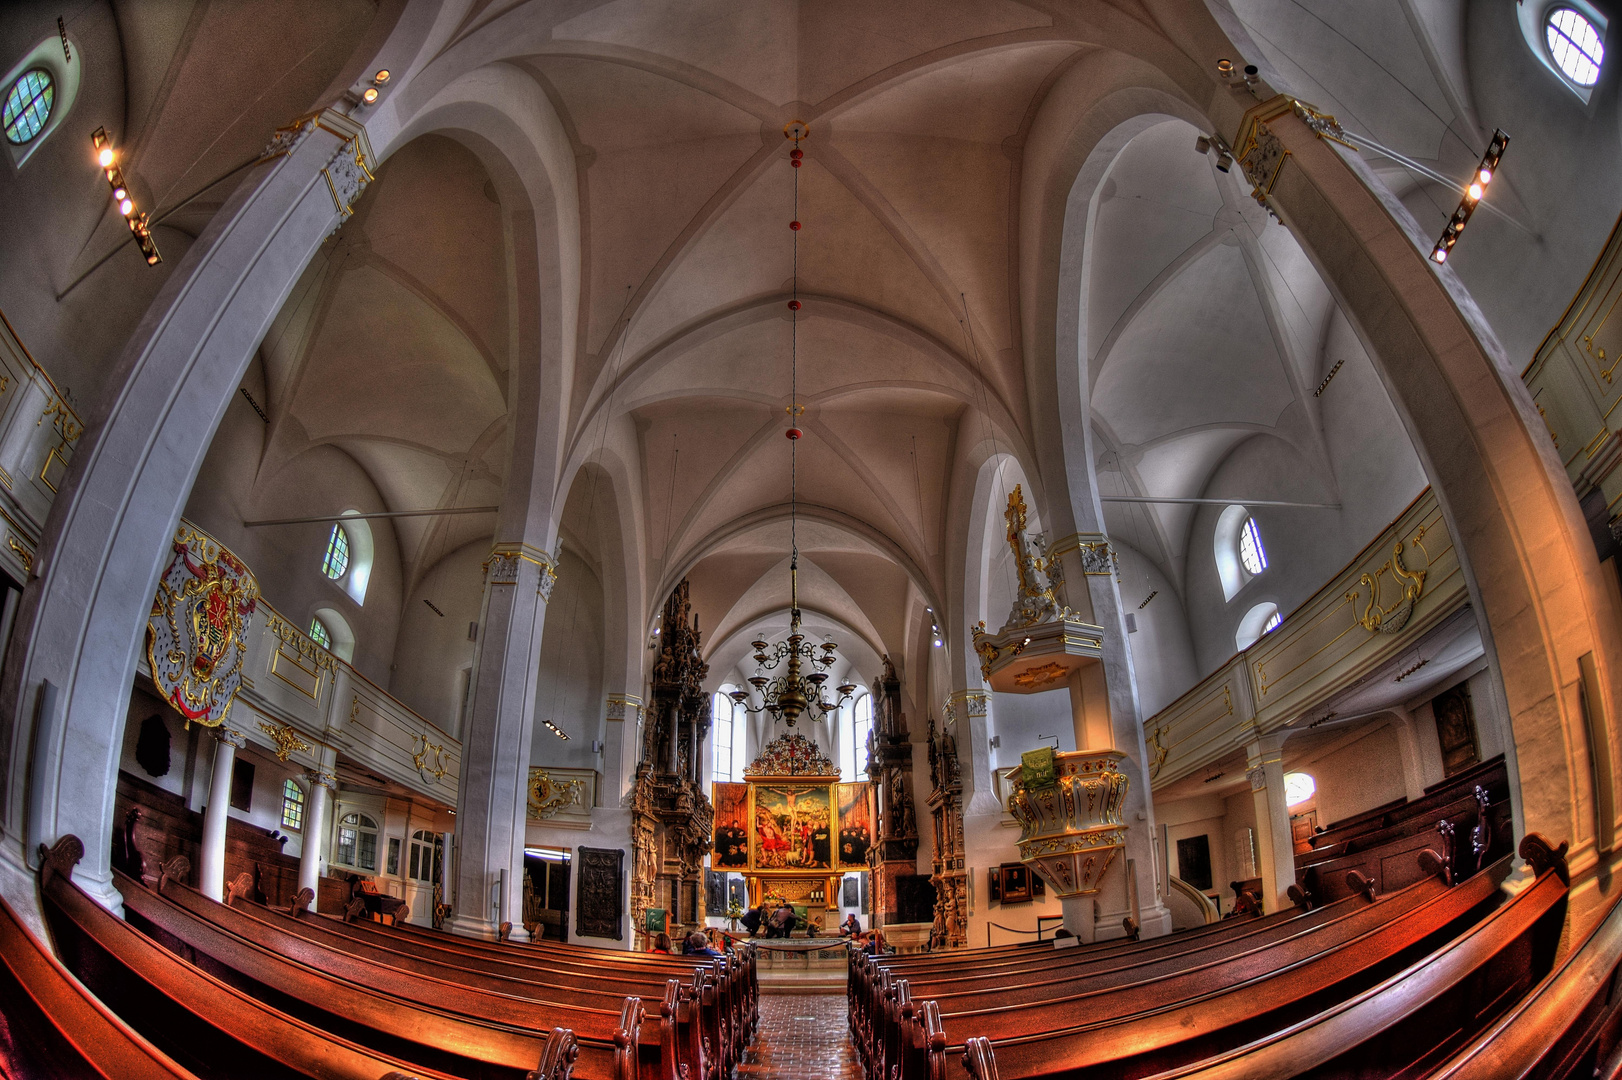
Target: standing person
x: 781, y: 922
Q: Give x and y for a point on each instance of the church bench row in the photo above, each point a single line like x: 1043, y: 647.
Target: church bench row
x: 1225, y: 957
x: 874, y: 1009
x: 1186, y: 1015
x: 1404, y: 1027
x: 431, y: 1023
x: 717, y: 986
x: 51, y: 1026
x: 202, y: 1021
x: 1467, y: 833
x: 1491, y: 775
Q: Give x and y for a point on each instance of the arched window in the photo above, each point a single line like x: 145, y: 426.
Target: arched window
x: 855, y: 724
x: 28, y: 105
x: 335, y: 563
x: 1574, y: 45
x: 1298, y: 788
x: 424, y: 857
x: 356, y: 845
x: 728, y: 737
x: 335, y: 636
x: 1252, y: 555
x: 292, y: 805
x: 1259, y: 620
x: 1237, y: 545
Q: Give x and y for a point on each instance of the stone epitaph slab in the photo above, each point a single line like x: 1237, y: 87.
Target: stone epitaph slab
x: 599, y: 911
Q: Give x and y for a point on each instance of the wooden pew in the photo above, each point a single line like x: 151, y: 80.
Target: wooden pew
x: 1468, y: 833
x: 872, y: 978
x: 1491, y: 775
x: 51, y: 1026
x: 728, y: 988
x: 1157, y: 1024
x: 1405, y: 1025
x: 445, y: 1026
x: 321, y: 943
x: 201, y: 1020
x: 1260, y: 951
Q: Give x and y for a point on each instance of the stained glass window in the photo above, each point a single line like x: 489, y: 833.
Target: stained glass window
x: 292, y: 806
x: 28, y: 106
x: 336, y: 560
x: 318, y: 631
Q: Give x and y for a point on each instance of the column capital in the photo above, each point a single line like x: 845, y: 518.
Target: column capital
x: 962, y: 704
x: 502, y: 567
x: 321, y: 778
x: 229, y: 736
x: 620, y: 706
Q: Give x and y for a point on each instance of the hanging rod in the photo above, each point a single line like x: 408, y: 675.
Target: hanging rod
x: 1217, y: 502
x: 378, y: 514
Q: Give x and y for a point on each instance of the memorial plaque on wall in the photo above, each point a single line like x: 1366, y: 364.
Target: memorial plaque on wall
x: 1194, y: 861
x: 852, y: 889
x: 598, y: 909
x: 715, y: 893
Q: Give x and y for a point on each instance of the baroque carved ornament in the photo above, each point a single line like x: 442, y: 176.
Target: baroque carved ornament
x: 194, y: 632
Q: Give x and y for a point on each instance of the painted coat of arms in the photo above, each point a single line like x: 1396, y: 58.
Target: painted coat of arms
x: 194, y: 640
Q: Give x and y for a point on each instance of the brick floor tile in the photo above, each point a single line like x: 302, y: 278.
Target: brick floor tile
x: 801, y: 1037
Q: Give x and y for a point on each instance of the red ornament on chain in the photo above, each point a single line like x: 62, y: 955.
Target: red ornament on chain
x: 792, y: 433
x: 795, y: 225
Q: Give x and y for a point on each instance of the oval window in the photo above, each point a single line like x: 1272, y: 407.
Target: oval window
x: 28, y: 105
x: 1573, y: 43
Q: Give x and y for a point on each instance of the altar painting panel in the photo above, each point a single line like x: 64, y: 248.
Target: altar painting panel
x: 855, y: 824
x: 793, y: 827
x: 731, y: 849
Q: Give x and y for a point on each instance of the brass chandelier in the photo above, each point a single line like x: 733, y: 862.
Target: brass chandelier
x: 797, y: 691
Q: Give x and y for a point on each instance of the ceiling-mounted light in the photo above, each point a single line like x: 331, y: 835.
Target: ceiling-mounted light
x: 381, y: 77
x: 107, y: 158
x: 1473, y: 193
x: 793, y: 694
x: 370, y: 97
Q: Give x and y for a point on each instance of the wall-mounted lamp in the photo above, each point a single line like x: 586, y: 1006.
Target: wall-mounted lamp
x: 107, y: 158
x: 370, y: 97
x: 1473, y: 192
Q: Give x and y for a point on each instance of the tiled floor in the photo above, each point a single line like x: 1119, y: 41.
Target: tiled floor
x: 801, y: 1037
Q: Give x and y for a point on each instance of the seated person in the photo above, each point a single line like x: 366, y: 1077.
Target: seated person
x: 851, y: 927
x: 661, y: 944
x: 698, y: 944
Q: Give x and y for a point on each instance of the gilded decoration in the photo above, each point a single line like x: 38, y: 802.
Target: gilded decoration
x: 194, y: 632
x: 285, y: 739
x: 501, y: 568
x: 1041, y: 676
x: 429, y: 758
x: 791, y: 754
x: 21, y: 550
x: 1392, y: 618
x: 1071, y: 829
x: 549, y: 795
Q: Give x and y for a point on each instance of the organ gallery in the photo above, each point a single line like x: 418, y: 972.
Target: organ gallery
x: 785, y: 538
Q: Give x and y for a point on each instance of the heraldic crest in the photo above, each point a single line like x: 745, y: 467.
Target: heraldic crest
x: 194, y: 640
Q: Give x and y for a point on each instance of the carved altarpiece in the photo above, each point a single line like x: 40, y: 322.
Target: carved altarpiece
x: 894, y: 853
x: 951, y: 928
x: 671, y: 817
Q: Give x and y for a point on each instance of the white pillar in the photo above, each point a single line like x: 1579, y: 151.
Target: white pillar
x: 323, y: 785
x: 492, y: 800
x: 1406, y: 727
x: 447, y: 851
x: 211, y: 858
x: 1275, y: 848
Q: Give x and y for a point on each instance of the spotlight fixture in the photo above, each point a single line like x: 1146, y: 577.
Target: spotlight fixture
x: 1473, y: 193
x: 1224, y: 161
x: 107, y: 158
x: 381, y: 77
x: 370, y: 97
x: 554, y: 729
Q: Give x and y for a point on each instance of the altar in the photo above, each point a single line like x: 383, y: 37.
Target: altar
x: 792, y: 829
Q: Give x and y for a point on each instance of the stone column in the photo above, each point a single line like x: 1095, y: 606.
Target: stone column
x: 492, y: 799
x: 1406, y: 727
x: 211, y: 857
x: 621, y: 745
x: 447, y: 855
x: 1275, y: 848
x: 322, y: 786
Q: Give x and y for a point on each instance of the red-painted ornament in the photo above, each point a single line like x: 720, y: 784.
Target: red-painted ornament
x: 795, y: 225
x: 792, y: 433
x: 796, y: 153
x: 795, y: 163
x: 794, y: 305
